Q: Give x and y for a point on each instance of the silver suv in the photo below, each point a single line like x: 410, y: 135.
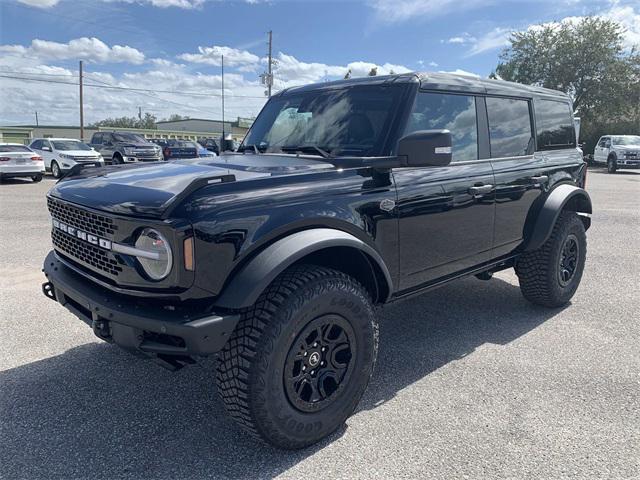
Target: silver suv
x: 618, y: 151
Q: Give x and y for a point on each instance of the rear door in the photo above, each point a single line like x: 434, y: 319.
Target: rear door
x: 520, y: 176
x: 599, y: 154
x: 446, y: 214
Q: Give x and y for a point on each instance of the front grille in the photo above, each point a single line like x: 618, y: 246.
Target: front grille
x: 85, y: 252
x: 86, y: 221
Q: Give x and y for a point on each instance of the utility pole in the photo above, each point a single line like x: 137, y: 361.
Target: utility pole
x: 222, y: 141
x: 140, y: 113
x: 81, y: 107
x: 270, y: 72
x: 37, y: 124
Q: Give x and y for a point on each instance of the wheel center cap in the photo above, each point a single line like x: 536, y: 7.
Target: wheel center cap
x: 314, y: 359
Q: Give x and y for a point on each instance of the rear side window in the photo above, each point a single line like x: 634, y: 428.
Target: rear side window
x: 97, y: 138
x: 510, y: 132
x: 456, y: 113
x: 37, y: 145
x: 554, y: 124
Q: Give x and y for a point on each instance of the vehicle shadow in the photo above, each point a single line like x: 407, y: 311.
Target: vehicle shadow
x: 96, y: 412
x: 599, y: 169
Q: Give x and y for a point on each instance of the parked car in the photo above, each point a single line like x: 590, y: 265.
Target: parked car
x: 210, y: 144
x: 125, y: 147
x: 62, y: 154
x: 17, y: 160
x: 343, y: 196
x: 618, y: 151
x: 203, y: 152
x: 177, y: 149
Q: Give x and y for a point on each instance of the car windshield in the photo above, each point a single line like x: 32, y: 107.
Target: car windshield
x: 128, y: 137
x: 70, y: 145
x: 627, y: 140
x: 340, y: 121
x: 14, y: 148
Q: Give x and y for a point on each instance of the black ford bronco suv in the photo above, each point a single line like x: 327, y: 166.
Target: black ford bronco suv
x: 343, y: 196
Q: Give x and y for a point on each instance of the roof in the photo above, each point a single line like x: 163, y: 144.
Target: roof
x: 440, y: 81
x: 56, y: 138
x: 196, y: 119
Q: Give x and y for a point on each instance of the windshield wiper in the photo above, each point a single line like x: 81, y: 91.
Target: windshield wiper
x: 306, y: 148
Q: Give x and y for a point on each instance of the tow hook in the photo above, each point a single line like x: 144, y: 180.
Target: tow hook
x: 49, y: 291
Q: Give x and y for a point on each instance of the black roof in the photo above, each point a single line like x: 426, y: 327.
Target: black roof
x: 442, y: 81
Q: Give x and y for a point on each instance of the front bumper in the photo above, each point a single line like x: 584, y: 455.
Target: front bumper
x: 132, y: 159
x: 171, y: 334
x: 628, y: 163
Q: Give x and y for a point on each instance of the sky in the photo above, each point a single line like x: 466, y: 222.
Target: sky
x: 163, y: 56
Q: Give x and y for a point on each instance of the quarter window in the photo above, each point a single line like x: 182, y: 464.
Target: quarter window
x: 554, y: 125
x: 510, y: 132
x: 456, y: 113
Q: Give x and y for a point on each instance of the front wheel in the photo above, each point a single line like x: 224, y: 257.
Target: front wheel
x: 550, y: 275
x: 611, y: 165
x: 300, y: 359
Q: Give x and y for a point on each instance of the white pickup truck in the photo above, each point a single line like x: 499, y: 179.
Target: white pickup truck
x: 618, y: 151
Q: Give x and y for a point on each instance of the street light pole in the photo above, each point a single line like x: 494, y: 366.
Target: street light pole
x: 81, y: 107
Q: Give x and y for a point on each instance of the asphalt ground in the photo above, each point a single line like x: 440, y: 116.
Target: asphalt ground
x: 471, y: 380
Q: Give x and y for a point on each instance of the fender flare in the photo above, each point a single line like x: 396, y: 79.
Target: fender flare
x: 562, y: 197
x: 253, y: 278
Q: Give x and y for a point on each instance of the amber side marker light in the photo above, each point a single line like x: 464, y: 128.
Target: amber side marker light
x: 189, y: 262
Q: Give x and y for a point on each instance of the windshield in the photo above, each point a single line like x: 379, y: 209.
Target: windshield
x: 627, y: 140
x: 128, y: 137
x: 70, y: 145
x: 347, y: 121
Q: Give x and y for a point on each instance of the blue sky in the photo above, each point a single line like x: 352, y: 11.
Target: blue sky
x: 173, y: 46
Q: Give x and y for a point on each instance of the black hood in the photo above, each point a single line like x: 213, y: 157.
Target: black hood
x: 148, y: 189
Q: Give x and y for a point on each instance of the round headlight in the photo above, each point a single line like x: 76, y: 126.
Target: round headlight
x: 157, y: 264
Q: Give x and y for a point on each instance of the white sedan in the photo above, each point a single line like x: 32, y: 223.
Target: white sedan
x: 18, y: 160
x: 61, y: 154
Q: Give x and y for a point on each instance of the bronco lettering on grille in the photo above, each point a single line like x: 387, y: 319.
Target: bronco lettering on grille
x: 84, y: 236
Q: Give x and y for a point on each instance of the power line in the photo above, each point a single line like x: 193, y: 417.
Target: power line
x: 132, y: 89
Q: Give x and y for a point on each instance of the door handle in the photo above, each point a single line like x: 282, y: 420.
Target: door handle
x: 539, y: 179
x: 478, y: 190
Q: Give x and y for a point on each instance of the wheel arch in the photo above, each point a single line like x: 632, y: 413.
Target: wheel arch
x: 564, y: 197
x: 320, y: 246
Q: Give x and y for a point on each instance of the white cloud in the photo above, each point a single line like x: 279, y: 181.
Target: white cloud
x: 40, y: 3
x: 400, y: 10
x: 459, y: 71
x: 492, y: 40
x: 433, y: 64
x: 212, y: 56
x: 89, y: 49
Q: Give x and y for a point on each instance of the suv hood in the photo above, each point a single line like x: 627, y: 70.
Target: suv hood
x: 80, y: 153
x: 148, y: 189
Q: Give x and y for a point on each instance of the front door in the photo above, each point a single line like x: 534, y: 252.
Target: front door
x: 446, y: 214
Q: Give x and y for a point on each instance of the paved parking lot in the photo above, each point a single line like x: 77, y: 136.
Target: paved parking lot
x: 471, y: 380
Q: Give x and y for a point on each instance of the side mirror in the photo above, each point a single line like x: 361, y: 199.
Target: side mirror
x: 426, y: 148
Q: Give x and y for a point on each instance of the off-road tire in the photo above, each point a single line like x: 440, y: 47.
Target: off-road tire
x: 55, y: 169
x: 612, y: 166
x: 539, y: 271
x: 251, y: 367
x: 37, y: 178
x: 117, y: 159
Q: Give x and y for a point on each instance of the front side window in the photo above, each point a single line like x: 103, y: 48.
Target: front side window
x: 344, y: 121
x: 510, y: 133
x: 554, y: 125
x: 443, y: 111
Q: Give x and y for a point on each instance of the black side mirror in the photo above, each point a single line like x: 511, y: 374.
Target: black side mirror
x: 426, y: 148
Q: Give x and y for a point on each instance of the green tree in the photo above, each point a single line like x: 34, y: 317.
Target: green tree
x: 586, y: 59
x: 147, y: 122
x: 347, y: 75
x: 373, y: 72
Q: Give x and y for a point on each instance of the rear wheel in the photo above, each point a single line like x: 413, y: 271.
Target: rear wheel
x: 55, y: 169
x: 300, y: 359
x: 37, y: 178
x: 612, y: 166
x: 550, y: 275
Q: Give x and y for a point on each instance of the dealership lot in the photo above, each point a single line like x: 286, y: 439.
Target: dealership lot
x: 471, y: 380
